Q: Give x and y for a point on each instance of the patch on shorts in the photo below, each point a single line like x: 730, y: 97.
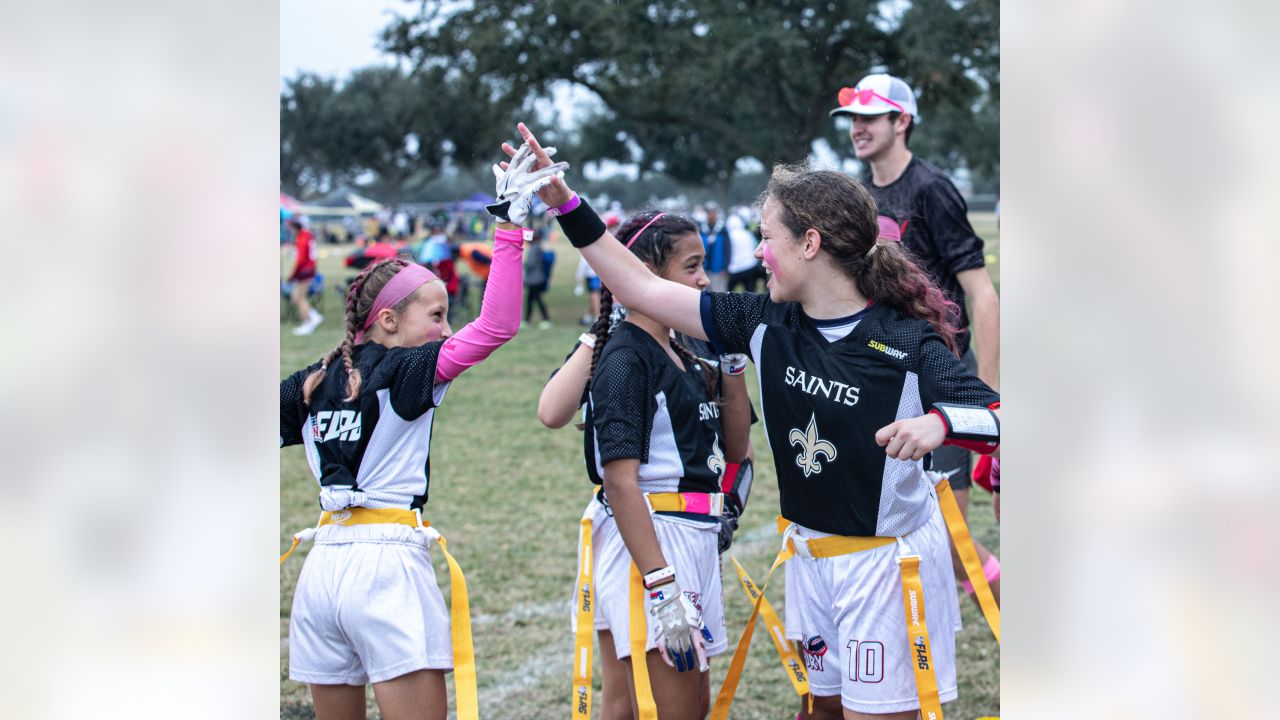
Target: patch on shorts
x: 814, y: 648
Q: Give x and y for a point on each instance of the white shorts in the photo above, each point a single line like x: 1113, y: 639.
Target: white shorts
x: 691, y: 549
x: 367, y: 608
x: 847, y: 612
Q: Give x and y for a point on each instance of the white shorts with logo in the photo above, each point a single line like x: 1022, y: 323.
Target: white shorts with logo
x: 690, y: 548
x: 367, y: 608
x: 847, y: 613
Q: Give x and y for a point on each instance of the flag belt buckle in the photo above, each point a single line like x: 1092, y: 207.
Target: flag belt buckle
x: 700, y: 503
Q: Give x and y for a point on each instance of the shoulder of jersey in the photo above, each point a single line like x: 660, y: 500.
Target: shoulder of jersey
x: 896, y: 335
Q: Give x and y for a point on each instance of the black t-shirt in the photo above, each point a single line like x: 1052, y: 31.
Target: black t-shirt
x: 935, y: 228
x: 823, y: 402
x: 379, y: 443
x: 643, y: 406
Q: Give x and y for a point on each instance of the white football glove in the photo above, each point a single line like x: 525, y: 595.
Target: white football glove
x: 682, y: 636
x: 517, y: 185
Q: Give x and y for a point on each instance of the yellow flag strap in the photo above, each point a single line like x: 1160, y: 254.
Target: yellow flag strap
x: 464, y: 659
x: 639, y: 638
x: 581, y: 700
x: 918, y: 638
x: 724, y: 699
x: 292, y: 547
x: 968, y: 555
x: 791, y: 664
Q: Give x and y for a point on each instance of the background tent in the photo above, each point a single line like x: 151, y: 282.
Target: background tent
x: 339, y: 202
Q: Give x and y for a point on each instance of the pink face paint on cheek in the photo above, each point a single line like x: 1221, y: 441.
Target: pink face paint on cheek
x: 768, y: 258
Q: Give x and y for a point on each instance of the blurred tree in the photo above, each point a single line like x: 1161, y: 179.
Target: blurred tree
x: 383, y: 130
x: 690, y: 87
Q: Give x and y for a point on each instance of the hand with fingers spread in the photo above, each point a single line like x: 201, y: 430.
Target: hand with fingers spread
x: 554, y: 192
x: 682, y: 636
x: 520, y: 179
x: 913, y: 438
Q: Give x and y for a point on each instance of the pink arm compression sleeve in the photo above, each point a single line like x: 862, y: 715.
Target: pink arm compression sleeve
x: 499, y: 311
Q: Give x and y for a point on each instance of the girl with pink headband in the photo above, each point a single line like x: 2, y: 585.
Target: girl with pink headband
x: 659, y: 430
x: 367, y: 608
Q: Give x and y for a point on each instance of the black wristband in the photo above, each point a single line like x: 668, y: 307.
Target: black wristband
x: 581, y: 225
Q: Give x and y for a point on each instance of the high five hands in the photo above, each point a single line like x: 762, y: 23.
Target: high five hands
x: 518, y: 180
x: 554, y: 192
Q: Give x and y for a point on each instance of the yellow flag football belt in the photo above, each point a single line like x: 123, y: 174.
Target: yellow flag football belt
x: 464, y: 661
x: 963, y: 542
x: 912, y: 601
x: 702, y: 503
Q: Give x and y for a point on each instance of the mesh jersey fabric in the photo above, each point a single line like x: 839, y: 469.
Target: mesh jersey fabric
x: 823, y: 402
x: 378, y: 444
x: 642, y: 406
x: 935, y: 228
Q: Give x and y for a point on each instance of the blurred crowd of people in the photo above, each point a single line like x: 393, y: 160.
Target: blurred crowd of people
x: 447, y: 240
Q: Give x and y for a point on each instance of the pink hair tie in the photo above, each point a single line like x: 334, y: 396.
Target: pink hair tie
x: 646, y: 227
x: 400, y: 286
x: 889, y: 229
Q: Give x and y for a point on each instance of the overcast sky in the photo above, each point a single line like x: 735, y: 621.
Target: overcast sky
x: 333, y: 37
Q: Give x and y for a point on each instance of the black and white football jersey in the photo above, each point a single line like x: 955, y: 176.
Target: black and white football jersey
x: 642, y: 405
x: 377, y: 445
x: 824, y: 399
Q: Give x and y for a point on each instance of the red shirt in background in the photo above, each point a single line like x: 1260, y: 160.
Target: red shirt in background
x: 305, y: 267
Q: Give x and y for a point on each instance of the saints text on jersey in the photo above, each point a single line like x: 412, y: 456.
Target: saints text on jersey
x: 340, y: 424
x: 831, y: 389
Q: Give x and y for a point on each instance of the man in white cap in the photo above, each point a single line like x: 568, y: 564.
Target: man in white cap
x: 935, y: 227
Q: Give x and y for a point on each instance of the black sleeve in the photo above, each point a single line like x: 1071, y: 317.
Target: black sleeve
x: 622, y: 405
x: 293, y: 411
x: 413, y: 387
x: 958, y: 246
x: 944, y: 378
x: 729, y: 319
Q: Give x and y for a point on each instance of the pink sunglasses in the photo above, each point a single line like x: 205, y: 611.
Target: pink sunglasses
x: 849, y: 95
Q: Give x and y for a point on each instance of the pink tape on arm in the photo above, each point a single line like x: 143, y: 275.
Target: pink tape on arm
x: 499, y: 319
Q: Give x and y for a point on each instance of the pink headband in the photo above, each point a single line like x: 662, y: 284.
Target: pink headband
x: 646, y: 227
x: 400, y: 286
x: 889, y: 229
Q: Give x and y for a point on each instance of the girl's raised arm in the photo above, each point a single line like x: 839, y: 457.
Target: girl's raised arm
x: 675, y: 305
x: 499, y: 319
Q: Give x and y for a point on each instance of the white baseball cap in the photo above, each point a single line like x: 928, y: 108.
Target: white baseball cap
x: 876, y: 95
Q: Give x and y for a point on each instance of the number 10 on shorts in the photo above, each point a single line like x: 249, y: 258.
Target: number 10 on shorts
x: 866, y: 661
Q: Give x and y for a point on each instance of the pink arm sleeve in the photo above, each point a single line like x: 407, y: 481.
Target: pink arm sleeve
x: 499, y: 311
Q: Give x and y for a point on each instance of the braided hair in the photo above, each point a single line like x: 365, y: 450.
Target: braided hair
x: 653, y: 246
x: 360, y: 297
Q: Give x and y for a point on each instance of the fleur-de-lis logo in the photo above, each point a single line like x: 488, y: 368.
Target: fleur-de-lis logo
x: 716, y: 459
x: 811, y: 447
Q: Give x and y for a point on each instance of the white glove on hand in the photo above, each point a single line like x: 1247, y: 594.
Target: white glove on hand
x: 733, y: 363
x: 682, y: 636
x: 516, y: 185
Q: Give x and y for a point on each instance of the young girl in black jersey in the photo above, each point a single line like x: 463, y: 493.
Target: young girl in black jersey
x: 855, y: 351
x: 670, y: 245
x: 366, y: 608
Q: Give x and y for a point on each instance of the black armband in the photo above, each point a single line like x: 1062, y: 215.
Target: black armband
x: 971, y: 427
x: 581, y: 225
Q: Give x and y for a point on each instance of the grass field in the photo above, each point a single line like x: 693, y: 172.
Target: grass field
x: 507, y: 493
